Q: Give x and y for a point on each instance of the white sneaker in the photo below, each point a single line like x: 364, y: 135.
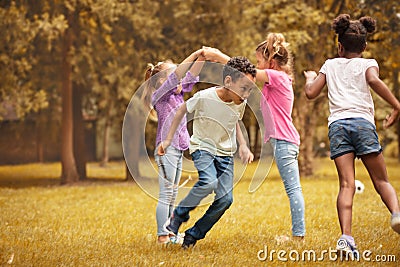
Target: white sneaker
x: 395, y: 222
x: 347, y: 250
x: 177, y: 239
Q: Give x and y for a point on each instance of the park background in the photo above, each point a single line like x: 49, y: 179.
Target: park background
x: 68, y: 72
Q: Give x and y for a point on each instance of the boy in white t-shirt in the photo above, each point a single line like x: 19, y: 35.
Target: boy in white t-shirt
x: 352, y: 131
x: 217, y: 111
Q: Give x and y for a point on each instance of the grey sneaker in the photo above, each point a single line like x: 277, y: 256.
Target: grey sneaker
x: 346, y: 250
x: 395, y: 222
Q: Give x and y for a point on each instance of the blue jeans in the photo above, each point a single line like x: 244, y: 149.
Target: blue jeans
x: 169, y: 174
x: 215, y: 175
x: 286, y: 154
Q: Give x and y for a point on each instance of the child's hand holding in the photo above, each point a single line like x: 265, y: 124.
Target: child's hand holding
x: 245, y: 154
x: 211, y: 54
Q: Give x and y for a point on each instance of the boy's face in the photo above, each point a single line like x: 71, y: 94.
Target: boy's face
x: 240, y: 89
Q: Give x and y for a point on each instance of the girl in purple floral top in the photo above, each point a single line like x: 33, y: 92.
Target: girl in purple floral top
x: 167, y: 96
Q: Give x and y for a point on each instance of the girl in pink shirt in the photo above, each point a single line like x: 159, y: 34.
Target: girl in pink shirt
x: 274, y: 69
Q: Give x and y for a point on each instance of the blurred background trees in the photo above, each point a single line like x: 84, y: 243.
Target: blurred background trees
x: 70, y: 68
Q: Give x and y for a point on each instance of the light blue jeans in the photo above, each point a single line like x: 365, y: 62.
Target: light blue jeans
x: 215, y: 175
x: 169, y: 175
x: 286, y: 154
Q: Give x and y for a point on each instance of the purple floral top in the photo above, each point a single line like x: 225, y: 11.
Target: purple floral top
x: 166, y: 102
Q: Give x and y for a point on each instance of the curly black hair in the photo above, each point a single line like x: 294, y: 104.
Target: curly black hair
x: 237, y: 66
x: 352, y: 34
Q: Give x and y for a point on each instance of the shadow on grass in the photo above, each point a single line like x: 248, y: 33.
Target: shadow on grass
x: 56, y: 182
x: 48, y: 175
x: 45, y: 182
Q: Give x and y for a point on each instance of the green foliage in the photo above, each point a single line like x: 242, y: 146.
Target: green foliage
x: 113, y: 41
x: 17, y: 62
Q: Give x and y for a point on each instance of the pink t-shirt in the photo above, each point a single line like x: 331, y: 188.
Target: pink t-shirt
x: 277, y: 106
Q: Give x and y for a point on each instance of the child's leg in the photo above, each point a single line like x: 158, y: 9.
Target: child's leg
x: 178, y: 174
x: 207, y: 183
x: 167, y: 178
x: 286, y: 160
x: 376, y: 167
x: 345, y: 168
x: 222, y: 201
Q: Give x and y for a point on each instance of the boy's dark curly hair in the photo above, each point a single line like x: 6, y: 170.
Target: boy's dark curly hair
x: 352, y: 34
x: 237, y: 66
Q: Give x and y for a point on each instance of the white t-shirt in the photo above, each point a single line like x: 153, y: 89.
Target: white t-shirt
x: 348, y: 91
x: 214, y: 123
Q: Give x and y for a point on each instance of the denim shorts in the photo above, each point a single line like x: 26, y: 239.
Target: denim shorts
x: 353, y: 135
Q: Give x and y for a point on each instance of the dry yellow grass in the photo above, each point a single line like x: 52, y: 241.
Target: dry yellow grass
x: 112, y: 223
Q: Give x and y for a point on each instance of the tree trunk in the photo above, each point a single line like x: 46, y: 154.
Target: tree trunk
x: 39, y: 139
x: 80, y: 147
x: 300, y: 120
x: 129, y: 177
x: 69, y: 173
x: 134, y: 152
x: 132, y: 138
x: 106, y: 137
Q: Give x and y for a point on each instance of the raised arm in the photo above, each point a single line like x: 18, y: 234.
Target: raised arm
x: 185, y: 64
x: 215, y: 55
x: 173, y: 80
x: 180, y: 113
x: 314, y: 84
x: 192, y: 77
x: 373, y: 80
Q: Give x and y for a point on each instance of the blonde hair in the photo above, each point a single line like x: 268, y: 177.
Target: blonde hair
x: 151, y: 85
x: 275, y: 47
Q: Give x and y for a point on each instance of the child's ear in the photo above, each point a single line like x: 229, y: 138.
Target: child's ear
x: 340, y: 47
x: 228, y: 81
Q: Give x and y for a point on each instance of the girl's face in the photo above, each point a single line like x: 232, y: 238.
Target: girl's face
x: 166, y: 69
x: 262, y: 62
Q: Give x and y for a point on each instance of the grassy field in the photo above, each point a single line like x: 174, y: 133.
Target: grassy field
x: 109, y: 222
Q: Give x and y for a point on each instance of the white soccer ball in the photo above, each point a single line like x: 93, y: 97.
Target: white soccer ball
x: 359, y: 187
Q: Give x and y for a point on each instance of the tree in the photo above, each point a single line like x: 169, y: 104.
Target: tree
x: 17, y: 61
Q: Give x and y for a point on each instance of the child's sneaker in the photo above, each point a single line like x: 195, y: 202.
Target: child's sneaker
x: 177, y: 239
x: 395, y: 222
x: 188, y: 241
x: 346, y: 250
x: 172, y: 224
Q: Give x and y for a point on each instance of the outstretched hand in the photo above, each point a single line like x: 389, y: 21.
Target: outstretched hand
x: 310, y: 75
x: 391, y: 118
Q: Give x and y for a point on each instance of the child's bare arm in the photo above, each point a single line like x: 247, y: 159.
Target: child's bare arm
x: 184, y: 66
x: 383, y: 91
x: 215, y: 55
x: 180, y: 113
x: 244, y: 152
x: 198, y: 64
x: 314, y: 84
